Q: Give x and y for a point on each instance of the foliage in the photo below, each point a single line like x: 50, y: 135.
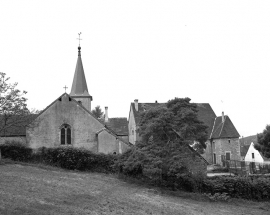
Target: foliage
x: 177, y: 120
x: 97, y: 112
x: 164, y: 154
x: 13, y: 108
x: 16, y: 151
x: 238, y: 187
x: 64, y: 157
x: 264, y: 142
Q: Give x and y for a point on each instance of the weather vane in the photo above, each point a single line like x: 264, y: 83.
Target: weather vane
x: 79, y: 38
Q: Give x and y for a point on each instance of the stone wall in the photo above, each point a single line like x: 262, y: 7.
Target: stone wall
x: 45, y: 130
x: 131, y: 127
x: 17, y: 139
x: 221, y: 146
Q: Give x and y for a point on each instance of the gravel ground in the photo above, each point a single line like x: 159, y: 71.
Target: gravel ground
x: 27, y: 189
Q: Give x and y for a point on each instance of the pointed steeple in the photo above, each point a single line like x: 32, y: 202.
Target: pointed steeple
x: 79, y: 85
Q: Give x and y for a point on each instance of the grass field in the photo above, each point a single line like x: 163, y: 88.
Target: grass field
x: 32, y: 189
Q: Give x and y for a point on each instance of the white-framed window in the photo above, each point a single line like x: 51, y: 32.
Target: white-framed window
x: 65, y: 134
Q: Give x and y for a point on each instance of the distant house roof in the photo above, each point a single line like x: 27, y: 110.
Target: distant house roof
x: 224, y: 129
x: 205, y: 113
x: 248, y: 140
x: 118, y: 125
x: 18, y: 125
x: 244, y: 150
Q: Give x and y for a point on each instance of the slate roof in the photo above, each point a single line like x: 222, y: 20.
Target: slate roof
x: 224, y: 129
x: 118, y: 125
x: 79, y: 85
x: 19, y: 128
x: 205, y: 113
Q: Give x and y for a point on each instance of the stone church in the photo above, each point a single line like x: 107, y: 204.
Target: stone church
x: 68, y: 121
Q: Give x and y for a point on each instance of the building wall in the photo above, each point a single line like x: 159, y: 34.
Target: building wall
x: 257, y: 155
x: 131, y: 127
x: 107, y: 143
x: 45, y: 130
x: 207, y: 155
x: 19, y: 139
x: 86, y: 102
x: 221, y: 146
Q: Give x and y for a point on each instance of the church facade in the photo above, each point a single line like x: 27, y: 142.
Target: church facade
x: 68, y: 121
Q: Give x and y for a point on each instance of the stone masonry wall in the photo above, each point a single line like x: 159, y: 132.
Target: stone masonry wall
x: 45, y: 130
x: 223, y: 145
x: 19, y: 139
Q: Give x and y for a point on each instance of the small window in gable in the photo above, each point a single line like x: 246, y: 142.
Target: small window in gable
x: 229, y: 141
x: 65, y: 134
x: 253, y: 156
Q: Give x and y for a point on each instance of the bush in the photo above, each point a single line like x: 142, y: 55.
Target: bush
x: 16, y: 151
x: 76, y: 159
x: 238, y: 187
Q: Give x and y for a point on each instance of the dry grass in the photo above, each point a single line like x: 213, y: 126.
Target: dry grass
x: 37, y: 189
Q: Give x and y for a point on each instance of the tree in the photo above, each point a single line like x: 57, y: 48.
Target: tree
x: 13, y: 108
x: 176, y: 120
x: 97, y: 112
x: 264, y: 142
x: 167, y: 132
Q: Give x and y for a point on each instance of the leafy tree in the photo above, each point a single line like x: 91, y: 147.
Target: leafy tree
x: 97, y: 112
x: 13, y: 108
x: 264, y: 142
x: 167, y: 132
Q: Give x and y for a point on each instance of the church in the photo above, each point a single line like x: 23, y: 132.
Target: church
x: 68, y: 121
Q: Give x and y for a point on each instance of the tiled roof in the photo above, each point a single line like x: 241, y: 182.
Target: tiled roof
x: 224, y: 129
x: 118, y: 125
x: 205, y: 113
x: 244, y: 149
x: 248, y: 140
x: 19, y: 127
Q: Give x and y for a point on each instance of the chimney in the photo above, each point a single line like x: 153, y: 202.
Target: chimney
x: 156, y: 102
x: 223, y: 118
x: 136, y: 104
x: 106, y: 114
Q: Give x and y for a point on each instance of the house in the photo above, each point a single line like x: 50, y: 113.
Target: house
x: 248, y: 151
x: 68, y: 121
x: 223, y: 138
x: 223, y: 142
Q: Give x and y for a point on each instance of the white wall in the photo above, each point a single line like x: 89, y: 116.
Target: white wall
x: 257, y: 155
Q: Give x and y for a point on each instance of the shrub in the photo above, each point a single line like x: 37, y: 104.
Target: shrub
x: 16, y: 151
x: 75, y: 158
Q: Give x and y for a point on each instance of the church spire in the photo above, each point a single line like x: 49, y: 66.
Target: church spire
x: 79, y: 85
x: 79, y: 90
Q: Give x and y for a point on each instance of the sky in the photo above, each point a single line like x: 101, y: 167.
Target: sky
x: 215, y: 52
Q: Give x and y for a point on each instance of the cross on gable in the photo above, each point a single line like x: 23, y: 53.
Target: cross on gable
x: 65, y: 87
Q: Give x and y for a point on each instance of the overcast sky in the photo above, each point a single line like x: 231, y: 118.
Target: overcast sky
x: 215, y: 52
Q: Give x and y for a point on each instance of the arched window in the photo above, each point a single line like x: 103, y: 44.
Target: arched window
x: 65, y: 135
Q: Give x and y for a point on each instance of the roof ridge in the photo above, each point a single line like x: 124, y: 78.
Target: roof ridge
x: 213, y: 128
x: 222, y: 125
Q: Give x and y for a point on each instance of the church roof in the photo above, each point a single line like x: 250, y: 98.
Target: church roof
x: 205, y: 113
x: 79, y: 85
x: 118, y: 125
x: 224, y: 129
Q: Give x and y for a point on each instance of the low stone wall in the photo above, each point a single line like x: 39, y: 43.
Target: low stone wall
x: 18, y: 139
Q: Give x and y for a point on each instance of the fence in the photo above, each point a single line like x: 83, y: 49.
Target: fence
x: 247, y: 168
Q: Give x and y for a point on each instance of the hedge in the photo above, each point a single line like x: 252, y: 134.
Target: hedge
x: 64, y: 157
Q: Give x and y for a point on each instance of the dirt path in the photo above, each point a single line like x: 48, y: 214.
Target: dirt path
x: 32, y: 190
